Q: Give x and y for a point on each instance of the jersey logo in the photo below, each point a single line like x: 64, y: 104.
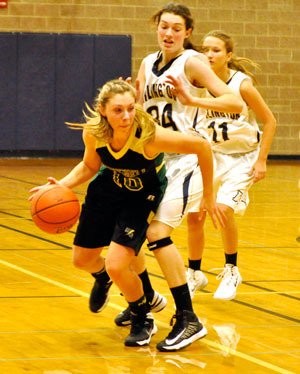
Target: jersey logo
x: 238, y: 198
x: 132, y: 184
x: 151, y: 198
x: 129, y: 232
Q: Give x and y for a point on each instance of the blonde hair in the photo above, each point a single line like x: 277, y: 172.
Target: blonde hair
x: 235, y: 63
x: 98, y: 126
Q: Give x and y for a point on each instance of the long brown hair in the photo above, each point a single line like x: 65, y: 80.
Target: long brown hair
x: 236, y: 62
x: 179, y: 10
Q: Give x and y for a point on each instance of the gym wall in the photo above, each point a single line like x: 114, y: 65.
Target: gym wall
x: 45, y: 80
x: 267, y: 31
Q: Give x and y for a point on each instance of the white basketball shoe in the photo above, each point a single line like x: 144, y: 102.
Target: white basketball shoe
x: 196, y: 280
x: 231, y: 279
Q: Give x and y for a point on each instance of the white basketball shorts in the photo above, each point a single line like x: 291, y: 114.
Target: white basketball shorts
x: 184, y: 191
x: 231, y: 181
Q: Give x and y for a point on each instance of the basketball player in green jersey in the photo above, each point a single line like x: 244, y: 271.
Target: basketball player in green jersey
x: 127, y: 142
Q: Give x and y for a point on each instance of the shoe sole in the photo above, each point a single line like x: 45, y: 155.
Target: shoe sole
x: 184, y: 343
x: 143, y: 342
x: 226, y: 298
x: 103, y: 306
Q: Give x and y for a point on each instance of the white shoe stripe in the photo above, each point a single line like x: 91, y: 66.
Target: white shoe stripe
x: 186, y: 342
x: 170, y: 342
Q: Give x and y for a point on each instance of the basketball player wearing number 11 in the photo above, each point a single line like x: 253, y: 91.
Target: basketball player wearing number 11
x: 240, y: 154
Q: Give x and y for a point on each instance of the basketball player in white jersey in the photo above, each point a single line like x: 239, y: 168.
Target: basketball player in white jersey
x: 184, y: 191
x: 240, y: 153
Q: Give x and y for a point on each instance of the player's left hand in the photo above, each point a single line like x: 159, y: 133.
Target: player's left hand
x: 208, y: 205
x: 179, y: 90
x: 258, y: 171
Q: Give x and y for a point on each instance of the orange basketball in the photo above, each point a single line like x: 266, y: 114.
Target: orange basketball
x: 55, y: 209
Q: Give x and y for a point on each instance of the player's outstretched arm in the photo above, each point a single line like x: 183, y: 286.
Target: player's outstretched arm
x: 82, y: 172
x: 166, y: 140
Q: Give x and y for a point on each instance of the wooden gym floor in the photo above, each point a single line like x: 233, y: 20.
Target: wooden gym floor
x: 45, y: 324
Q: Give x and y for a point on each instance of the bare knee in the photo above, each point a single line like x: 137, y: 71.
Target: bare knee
x: 226, y: 210
x: 152, y: 234
x: 193, y: 221
x: 158, y: 230
x: 114, y: 270
x: 79, y: 263
x: 83, y: 258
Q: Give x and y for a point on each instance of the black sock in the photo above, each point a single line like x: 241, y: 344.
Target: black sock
x: 195, y: 264
x: 147, y: 287
x: 101, y: 276
x: 182, y: 297
x: 139, y: 307
x: 231, y: 258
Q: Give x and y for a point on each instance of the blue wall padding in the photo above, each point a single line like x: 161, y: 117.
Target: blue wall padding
x: 45, y: 80
x: 35, y: 91
x: 8, y: 91
x: 112, y: 55
x: 74, y: 85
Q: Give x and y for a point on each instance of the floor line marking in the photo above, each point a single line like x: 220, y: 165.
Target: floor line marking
x: 162, y: 324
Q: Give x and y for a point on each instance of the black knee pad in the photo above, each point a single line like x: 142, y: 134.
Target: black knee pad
x: 159, y: 243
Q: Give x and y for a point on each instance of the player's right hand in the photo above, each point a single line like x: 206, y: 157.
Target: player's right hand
x: 34, y: 190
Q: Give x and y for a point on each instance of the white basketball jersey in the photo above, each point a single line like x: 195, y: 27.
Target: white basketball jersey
x: 159, y: 100
x: 184, y: 190
x: 231, y: 133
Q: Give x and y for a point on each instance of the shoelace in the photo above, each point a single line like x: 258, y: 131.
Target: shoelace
x: 174, y: 317
x: 176, y: 327
x: 224, y: 272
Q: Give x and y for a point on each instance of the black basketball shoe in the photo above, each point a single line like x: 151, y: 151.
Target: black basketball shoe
x: 142, y: 328
x: 186, y: 330
x: 99, y: 295
x: 157, y: 304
